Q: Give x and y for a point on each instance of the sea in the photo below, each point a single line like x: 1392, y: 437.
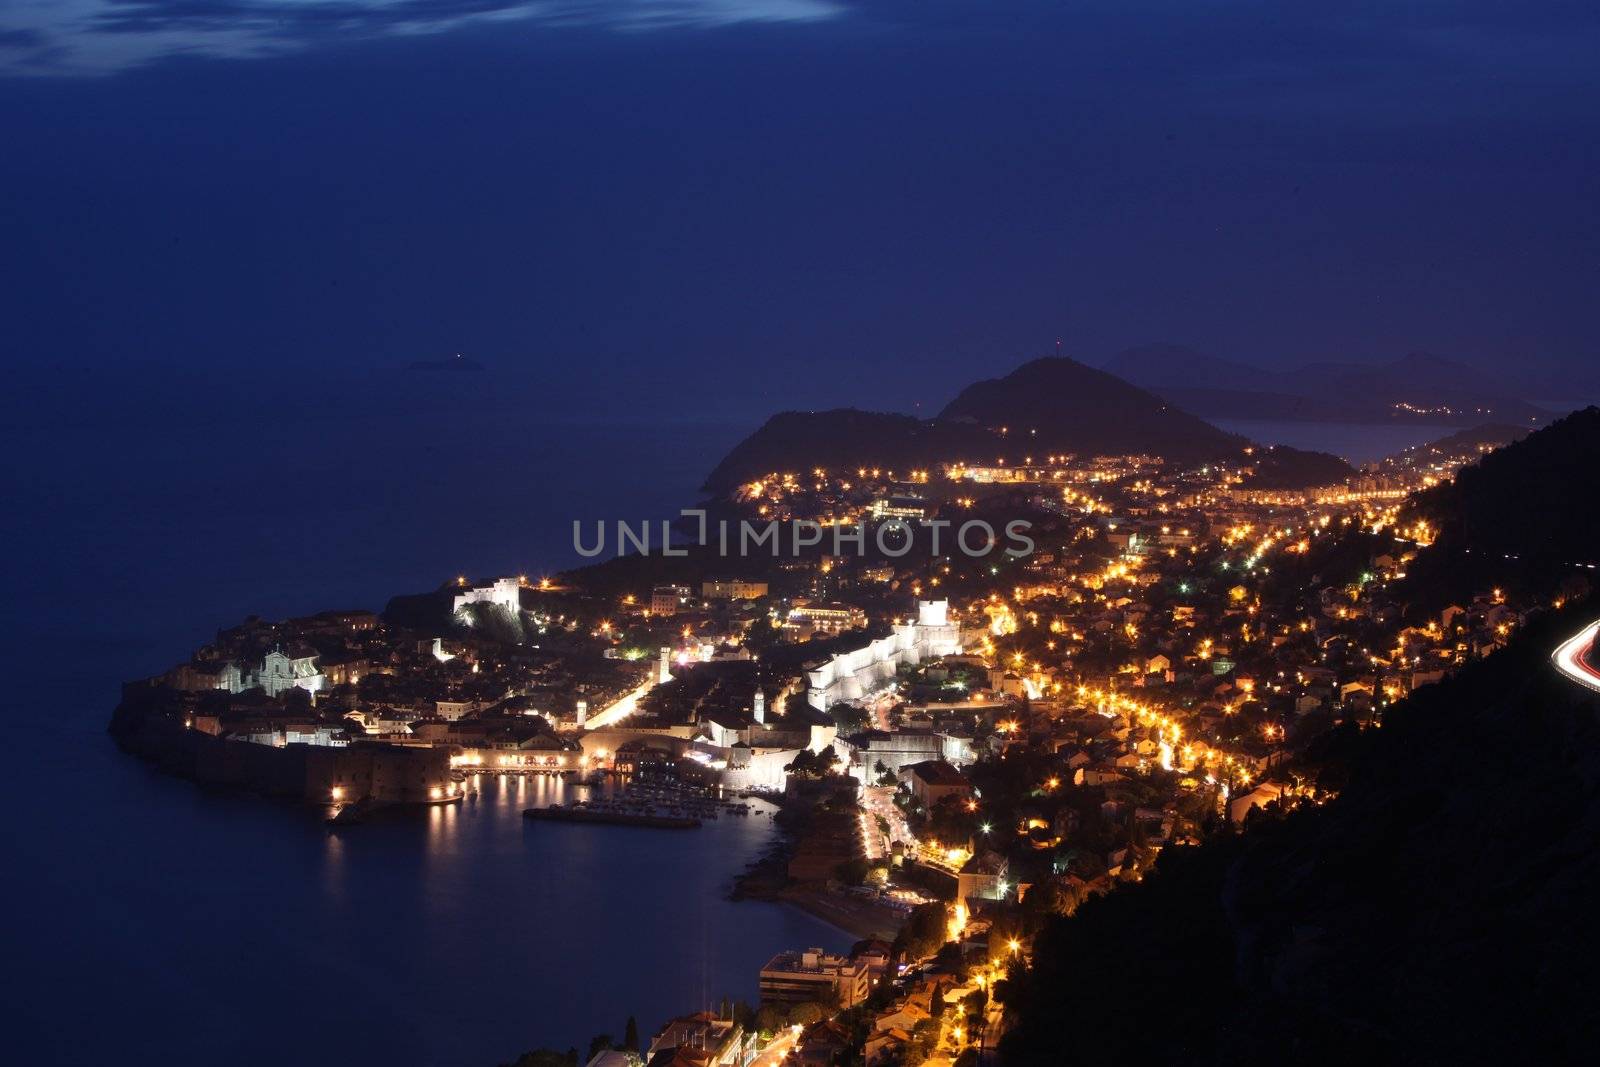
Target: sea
x: 156, y: 920
x: 1354, y: 443
x: 153, y: 920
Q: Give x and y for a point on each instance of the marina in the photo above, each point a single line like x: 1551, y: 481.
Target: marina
x: 659, y: 800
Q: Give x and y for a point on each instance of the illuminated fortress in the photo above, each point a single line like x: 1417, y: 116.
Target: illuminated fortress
x: 863, y: 672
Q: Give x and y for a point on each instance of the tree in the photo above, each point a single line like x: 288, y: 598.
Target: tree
x: 849, y: 719
x: 853, y: 871
x: 974, y: 1004
x: 950, y: 822
x: 771, y: 1017
x: 807, y: 764
x: 1044, y: 902
x: 630, y: 1035
x: 950, y: 958
x: 597, y: 1044
x: 806, y: 1014
x: 924, y: 931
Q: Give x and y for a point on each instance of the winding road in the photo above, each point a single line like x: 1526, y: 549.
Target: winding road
x: 1572, y: 657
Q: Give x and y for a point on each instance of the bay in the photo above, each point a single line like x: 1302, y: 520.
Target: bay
x: 196, y: 926
x: 1356, y: 443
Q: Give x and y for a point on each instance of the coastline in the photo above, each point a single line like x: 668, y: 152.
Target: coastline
x: 859, y: 919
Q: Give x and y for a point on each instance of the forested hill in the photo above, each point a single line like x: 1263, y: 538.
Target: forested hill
x: 1059, y: 404
x: 1053, y: 405
x: 1527, y: 514
x: 846, y: 438
x: 1538, y: 496
x: 1282, y: 467
x: 1438, y: 910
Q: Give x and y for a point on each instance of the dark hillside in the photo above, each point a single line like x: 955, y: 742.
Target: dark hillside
x: 1528, y: 514
x: 1062, y: 405
x: 1438, y: 910
x: 847, y: 438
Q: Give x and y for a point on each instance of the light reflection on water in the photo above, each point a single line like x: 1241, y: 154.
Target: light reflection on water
x: 191, y: 917
x: 567, y: 928
x: 461, y: 934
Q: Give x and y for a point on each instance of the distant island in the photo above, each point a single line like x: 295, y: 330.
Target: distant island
x: 1417, y: 388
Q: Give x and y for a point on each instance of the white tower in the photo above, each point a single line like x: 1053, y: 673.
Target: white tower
x: 665, y: 674
x: 759, y: 709
x: 507, y: 593
x: 583, y: 712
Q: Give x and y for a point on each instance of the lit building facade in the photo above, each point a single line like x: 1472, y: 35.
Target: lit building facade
x: 795, y: 977
x: 863, y: 672
x: 504, y: 593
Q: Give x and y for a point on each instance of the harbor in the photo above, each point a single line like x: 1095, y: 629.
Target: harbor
x: 655, y: 800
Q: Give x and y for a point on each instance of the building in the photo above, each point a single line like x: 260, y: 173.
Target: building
x: 724, y: 729
x: 984, y: 877
x: 282, y: 671
x: 344, y: 668
x: 339, y: 622
x: 864, y: 671
x: 207, y: 675
x: 828, y: 618
x: 933, y: 780
x: 899, y: 507
x: 451, y: 710
x: 823, y: 1045
x: 701, y: 1040
x: 732, y: 589
x: 504, y: 593
x: 877, y: 954
x: 400, y: 775
x: 885, y: 1046
x: 894, y: 751
x: 668, y: 599
x: 794, y: 977
x: 1263, y: 794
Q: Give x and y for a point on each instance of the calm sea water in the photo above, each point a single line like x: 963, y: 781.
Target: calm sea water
x: 152, y: 920
x: 1354, y: 443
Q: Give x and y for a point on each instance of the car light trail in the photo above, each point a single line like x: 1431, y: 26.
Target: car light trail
x: 1571, y: 658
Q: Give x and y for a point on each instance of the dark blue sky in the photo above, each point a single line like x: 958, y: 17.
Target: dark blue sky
x: 739, y: 205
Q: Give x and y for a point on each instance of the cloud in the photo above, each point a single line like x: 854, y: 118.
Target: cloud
x: 71, y: 37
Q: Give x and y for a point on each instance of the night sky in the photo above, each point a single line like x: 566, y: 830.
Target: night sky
x: 715, y: 206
